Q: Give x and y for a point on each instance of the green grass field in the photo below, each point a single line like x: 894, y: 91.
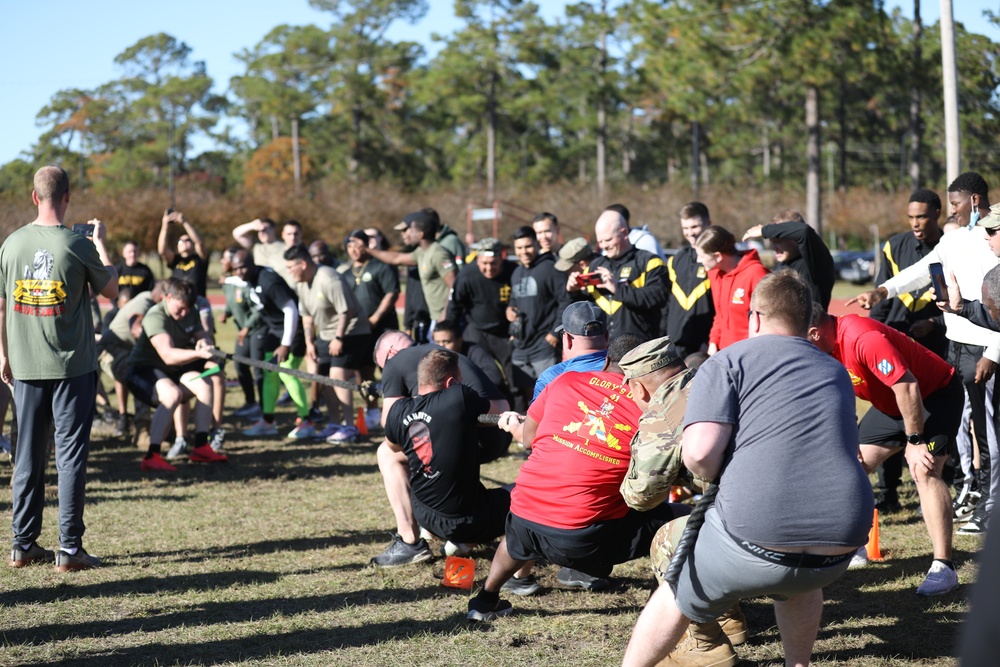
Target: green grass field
x: 264, y: 561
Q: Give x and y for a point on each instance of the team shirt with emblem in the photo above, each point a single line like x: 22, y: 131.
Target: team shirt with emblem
x: 46, y: 275
x: 585, y: 424
x: 877, y: 356
x: 434, y: 262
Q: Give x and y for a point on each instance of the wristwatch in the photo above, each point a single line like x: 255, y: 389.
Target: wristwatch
x: 915, y: 438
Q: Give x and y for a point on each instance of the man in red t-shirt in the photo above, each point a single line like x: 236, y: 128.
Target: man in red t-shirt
x: 565, y: 506
x: 916, y: 403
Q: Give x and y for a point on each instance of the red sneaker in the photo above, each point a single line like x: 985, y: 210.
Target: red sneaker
x: 205, y: 454
x: 156, y: 463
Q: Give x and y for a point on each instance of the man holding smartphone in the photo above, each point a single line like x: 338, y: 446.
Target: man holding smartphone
x: 48, y: 352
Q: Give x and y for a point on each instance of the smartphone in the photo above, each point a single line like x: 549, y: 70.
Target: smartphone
x: 588, y: 279
x: 938, y: 281
x: 84, y: 229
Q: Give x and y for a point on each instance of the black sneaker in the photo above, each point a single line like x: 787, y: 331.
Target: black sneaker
x: 482, y: 611
x: 81, y: 560
x: 34, y: 554
x: 577, y: 579
x: 402, y: 553
x: 978, y: 524
x: 121, y: 426
x: 523, y: 586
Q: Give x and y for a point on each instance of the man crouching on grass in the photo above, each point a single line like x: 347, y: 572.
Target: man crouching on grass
x: 797, y: 535
x: 166, y: 363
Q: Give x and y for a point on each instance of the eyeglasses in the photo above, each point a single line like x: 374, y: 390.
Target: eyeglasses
x: 991, y: 231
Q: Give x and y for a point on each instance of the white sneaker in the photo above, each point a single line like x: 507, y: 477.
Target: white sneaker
x: 303, y: 430
x: 329, y: 430
x: 179, y: 447
x: 373, y: 418
x: 260, y: 428
x: 860, y: 559
x: 344, y: 434
x: 940, y: 579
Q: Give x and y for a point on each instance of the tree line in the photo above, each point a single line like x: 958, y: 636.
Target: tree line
x: 633, y: 92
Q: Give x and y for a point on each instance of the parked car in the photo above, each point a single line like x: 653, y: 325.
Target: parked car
x: 855, y: 266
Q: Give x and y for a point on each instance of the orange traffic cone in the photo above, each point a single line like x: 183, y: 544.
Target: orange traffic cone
x: 873, y: 549
x: 459, y: 572
x: 360, y: 422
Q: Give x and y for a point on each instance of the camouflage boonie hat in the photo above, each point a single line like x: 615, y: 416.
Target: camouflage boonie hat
x: 649, y: 357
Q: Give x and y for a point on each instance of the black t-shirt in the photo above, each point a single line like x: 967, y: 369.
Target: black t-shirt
x: 436, y: 432
x: 270, y: 294
x: 399, y: 378
x: 137, y: 278
x: 371, y: 282
x: 193, y: 269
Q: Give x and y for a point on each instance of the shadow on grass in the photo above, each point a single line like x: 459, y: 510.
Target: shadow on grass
x: 342, y: 539
x: 242, y: 611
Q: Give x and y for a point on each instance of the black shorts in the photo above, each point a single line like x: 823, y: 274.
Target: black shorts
x: 141, y: 380
x: 485, y: 525
x: 356, y: 351
x: 595, y: 549
x: 942, y: 417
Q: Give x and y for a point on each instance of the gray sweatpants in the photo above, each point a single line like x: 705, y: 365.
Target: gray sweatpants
x: 69, y: 404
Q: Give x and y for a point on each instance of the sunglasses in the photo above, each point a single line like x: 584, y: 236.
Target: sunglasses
x: 991, y: 231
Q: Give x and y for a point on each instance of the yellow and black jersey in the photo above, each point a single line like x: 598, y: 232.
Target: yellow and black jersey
x: 640, y: 292
x: 689, y: 313
x: 899, y: 252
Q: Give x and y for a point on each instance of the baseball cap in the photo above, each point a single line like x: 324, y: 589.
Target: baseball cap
x: 991, y: 221
x: 573, y: 251
x: 356, y: 234
x: 489, y: 247
x: 648, y: 357
x: 583, y: 318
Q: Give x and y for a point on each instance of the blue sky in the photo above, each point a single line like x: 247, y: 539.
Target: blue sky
x: 61, y: 44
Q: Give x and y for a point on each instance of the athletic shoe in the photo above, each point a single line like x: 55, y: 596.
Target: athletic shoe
x: 304, y: 430
x: 34, y: 554
x: 888, y: 505
x: 248, y: 411
x: 450, y: 548
x: 179, y: 447
x: 5, y: 446
x: 205, y: 454
x: 121, y: 426
x: 482, y: 612
x: 345, y: 434
x: 402, y: 553
x: 156, y: 463
x: 373, y: 418
x: 978, y: 524
x: 81, y: 560
x: 217, y: 440
x: 859, y: 559
x: 315, y: 415
x: 576, y: 579
x: 940, y: 579
x: 260, y: 428
x: 329, y: 430
x: 523, y: 586
x: 965, y: 502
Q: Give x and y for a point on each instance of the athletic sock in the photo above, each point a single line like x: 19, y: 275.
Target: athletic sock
x: 950, y: 565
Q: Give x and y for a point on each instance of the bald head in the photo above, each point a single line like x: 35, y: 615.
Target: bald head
x: 611, y: 231
x: 388, y: 344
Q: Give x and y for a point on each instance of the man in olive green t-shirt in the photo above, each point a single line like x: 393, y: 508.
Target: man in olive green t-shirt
x: 435, y: 265
x: 47, y: 350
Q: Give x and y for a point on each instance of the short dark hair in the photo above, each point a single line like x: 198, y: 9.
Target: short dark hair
x: 925, y: 196
x: 621, y: 210
x: 450, y: 326
x: 972, y: 183
x: 624, y: 343
x: 525, y: 232
x: 436, y: 367
x: 293, y: 223
x: 788, y: 215
x: 695, y: 209
x: 427, y: 224
x: 298, y: 251
x: 267, y: 221
x: 716, y: 239
x: 785, y: 298
x: 178, y: 288
x: 545, y: 215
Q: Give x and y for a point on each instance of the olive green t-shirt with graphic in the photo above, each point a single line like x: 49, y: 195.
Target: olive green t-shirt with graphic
x: 433, y: 262
x: 184, y: 334
x: 46, y: 277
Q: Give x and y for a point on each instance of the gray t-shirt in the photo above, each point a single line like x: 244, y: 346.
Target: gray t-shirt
x: 791, y: 475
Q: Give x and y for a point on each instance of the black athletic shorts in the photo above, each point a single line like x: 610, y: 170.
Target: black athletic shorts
x: 595, y: 549
x: 141, y: 380
x: 355, y: 353
x: 485, y: 525
x: 942, y: 417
